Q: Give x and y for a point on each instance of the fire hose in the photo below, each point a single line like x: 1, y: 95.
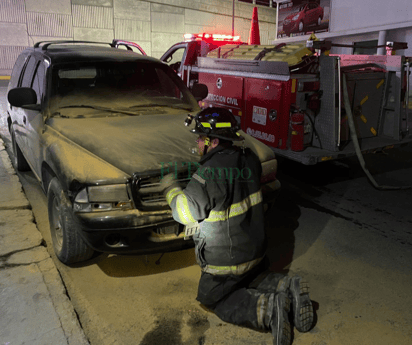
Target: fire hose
x: 356, y: 142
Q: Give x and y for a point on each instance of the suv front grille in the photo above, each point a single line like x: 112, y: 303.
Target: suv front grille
x: 146, y: 192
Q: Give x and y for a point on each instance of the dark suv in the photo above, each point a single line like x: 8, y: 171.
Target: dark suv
x: 99, y: 126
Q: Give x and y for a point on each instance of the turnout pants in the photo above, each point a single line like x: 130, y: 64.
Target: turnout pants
x: 242, y: 300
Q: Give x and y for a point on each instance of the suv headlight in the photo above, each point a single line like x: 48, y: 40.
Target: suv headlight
x: 296, y: 17
x: 102, y: 198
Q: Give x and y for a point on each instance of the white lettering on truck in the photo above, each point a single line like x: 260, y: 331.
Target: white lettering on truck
x: 261, y: 135
x: 222, y: 99
x: 232, y: 101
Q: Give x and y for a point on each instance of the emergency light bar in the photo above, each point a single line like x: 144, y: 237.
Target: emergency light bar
x: 215, y: 37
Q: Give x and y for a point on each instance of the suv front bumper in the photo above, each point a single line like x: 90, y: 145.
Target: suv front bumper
x: 131, y: 232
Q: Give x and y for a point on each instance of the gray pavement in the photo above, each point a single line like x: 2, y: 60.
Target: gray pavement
x: 34, y: 306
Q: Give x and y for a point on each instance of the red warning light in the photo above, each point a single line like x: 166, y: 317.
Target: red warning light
x: 213, y: 37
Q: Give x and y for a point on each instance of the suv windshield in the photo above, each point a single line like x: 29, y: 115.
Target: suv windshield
x: 109, y: 86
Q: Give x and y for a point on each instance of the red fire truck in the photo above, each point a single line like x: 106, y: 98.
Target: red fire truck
x: 300, y: 100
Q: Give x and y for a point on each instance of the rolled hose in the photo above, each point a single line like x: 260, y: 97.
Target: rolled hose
x: 356, y: 142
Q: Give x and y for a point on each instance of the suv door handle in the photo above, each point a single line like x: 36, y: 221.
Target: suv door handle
x: 24, y: 119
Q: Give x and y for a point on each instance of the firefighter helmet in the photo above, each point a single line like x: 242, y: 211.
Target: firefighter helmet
x: 217, y: 123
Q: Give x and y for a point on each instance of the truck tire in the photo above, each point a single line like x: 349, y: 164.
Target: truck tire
x: 68, y: 244
x: 20, y: 163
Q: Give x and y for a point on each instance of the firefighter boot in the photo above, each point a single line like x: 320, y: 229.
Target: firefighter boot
x: 279, y: 323
x: 283, y: 284
x: 302, y: 305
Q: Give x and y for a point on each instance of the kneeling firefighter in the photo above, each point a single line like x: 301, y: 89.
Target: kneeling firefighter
x: 225, y: 212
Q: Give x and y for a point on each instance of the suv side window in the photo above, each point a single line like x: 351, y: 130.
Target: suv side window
x: 28, y: 73
x: 38, y: 81
x: 17, y: 69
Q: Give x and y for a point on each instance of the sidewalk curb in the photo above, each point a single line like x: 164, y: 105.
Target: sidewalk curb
x: 29, y: 258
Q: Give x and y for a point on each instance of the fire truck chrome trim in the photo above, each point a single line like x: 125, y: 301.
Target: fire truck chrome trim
x: 244, y: 74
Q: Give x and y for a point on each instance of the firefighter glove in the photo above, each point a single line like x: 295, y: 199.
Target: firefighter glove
x: 168, y: 181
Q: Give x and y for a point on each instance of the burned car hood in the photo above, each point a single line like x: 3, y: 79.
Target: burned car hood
x: 132, y: 143
x: 141, y: 143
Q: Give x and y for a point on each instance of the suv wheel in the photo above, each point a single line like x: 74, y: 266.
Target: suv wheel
x: 67, y: 242
x: 19, y: 161
x: 301, y: 26
x: 319, y: 21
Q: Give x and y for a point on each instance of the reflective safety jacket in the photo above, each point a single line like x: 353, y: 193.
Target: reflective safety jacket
x: 224, y: 196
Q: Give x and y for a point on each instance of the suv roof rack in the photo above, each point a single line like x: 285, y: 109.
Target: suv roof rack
x: 49, y: 43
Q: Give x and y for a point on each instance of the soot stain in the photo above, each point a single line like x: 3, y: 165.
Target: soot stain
x: 167, y: 331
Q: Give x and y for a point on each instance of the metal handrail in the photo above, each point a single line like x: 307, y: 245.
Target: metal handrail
x: 360, y: 66
x: 49, y: 43
x: 340, y: 101
x: 407, y: 96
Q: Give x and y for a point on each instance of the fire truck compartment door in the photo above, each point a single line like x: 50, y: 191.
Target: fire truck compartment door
x: 365, y: 95
x: 224, y: 91
x: 263, y: 97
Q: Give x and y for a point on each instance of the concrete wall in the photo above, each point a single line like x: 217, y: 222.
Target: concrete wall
x: 396, y: 35
x: 368, y: 17
x: 154, y: 24
x: 357, y: 15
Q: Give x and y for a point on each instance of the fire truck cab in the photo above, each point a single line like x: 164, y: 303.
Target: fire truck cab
x: 183, y: 56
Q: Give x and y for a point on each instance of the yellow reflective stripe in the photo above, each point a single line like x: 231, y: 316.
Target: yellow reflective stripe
x: 218, y: 125
x: 199, y: 179
x: 183, y: 210
x: 241, y: 207
x: 215, y: 216
x: 235, y: 270
x: 236, y: 209
x: 171, y: 194
x: 364, y: 100
x: 223, y: 124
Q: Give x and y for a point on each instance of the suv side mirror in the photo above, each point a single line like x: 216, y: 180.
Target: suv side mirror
x: 199, y: 91
x: 21, y: 96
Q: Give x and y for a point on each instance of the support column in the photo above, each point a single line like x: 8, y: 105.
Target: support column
x: 382, y: 40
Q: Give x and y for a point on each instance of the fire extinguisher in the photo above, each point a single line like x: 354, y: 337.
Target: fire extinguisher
x: 296, y: 131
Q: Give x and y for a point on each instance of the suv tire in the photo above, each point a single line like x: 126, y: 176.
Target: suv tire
x: 19, y: 161
x: 68, y: 244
